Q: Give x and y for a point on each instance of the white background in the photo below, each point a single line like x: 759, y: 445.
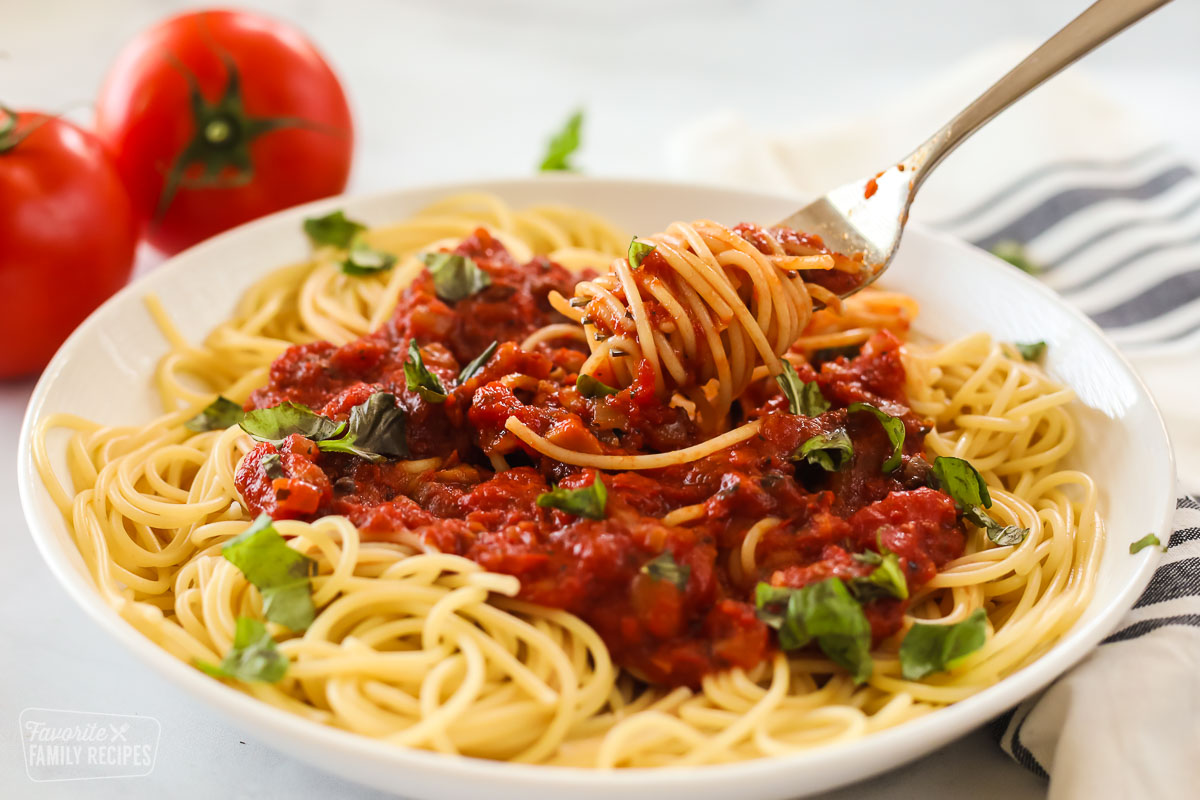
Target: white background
x: 469, y: 88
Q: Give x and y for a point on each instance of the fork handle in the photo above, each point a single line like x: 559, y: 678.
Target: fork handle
x: 1100, y: 22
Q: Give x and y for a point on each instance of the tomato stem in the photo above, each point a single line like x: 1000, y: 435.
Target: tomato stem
x: 9, y: 136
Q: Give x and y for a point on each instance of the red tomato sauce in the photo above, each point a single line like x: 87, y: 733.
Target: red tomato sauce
x: 662, y: 631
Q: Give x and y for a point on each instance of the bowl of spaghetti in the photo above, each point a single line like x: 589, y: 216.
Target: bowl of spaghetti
x: 471, y: 490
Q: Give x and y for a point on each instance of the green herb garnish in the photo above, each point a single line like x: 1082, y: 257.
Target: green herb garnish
x: 562, y: 145
x: 272, y: 465
x: 830, y: 451
x: 362, y: 259
x: 219, y: 414
x: 419, y: 379
x: 886, y: 580
x: 1016, y: 254
x: 966, y: 487
x: 637, y: 252
x: 892, y: 426
x: 664, y: 567
x: 375, y: 430
x: 591, y: 387
x: 1032, y: 351
x: 334, y: 229
x: 936, y: 648
x: 478, y: 363
x: 455, y: 276
x: 254, y: 656
x: 1149, y: 540
x: 589, y: 501
x: 804, y: 397
x: 282, y: 574
x: 824, y: 611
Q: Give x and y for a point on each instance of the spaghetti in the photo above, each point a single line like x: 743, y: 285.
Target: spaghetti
x: 443, y: 616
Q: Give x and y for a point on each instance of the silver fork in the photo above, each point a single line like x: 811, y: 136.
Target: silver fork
x: 868, y: 216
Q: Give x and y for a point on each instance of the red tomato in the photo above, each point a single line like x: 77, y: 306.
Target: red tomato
x: 67, y: 235
x: 218, y: 117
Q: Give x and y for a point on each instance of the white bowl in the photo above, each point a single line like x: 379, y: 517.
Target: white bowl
x: 103, y: 372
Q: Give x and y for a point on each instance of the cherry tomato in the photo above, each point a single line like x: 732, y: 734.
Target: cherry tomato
x: 215, y: 118
x: 67, y: 235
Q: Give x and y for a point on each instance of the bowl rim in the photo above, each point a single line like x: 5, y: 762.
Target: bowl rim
x: 863, y: 754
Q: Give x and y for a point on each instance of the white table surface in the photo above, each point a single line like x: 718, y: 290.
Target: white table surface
x: 470, y: 88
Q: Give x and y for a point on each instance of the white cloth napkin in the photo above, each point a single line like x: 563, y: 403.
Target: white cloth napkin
x: 1113, y: 216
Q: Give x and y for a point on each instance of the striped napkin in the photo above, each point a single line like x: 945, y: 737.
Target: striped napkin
x: 1112, y: 218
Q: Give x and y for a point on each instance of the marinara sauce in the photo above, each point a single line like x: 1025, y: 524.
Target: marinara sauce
x: 665, y: 631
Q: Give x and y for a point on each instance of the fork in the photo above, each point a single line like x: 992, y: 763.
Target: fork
x: 867, y: 216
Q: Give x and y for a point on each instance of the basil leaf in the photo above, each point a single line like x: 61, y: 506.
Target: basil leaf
x: 478, y: 363
x: 638, y: 251
x: 886, y: 580
x: 892, y: 426
x: 804, y: 398
x: 590, y: 387
x: 376, y: 430
x: 335, y: 229
x: 1146, y: 541
x: 219, y: 414
x: 1015, y: 254
x: 665, y: 568
x: 272, y: 465
x: 279, y: 422
x: 562, y: 145
x: 455, y: 276
x: 824, y: 611
x: 962, y: 482
x: 365, y: 260
x: 999, y: 534
x: 830, y: 451
x: 254, y: 656
x: 419, y: 379
x: 968, y: 490
x: 280, y: 573
x: 936, y: 648
x: 1032, y: 351
x: 589, y: 501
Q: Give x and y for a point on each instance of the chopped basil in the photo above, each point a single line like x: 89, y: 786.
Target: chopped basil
x: 804, y: 398
x: 936, y: 648
x: 219, y: 414
x: 834, y: 353
x: 665, y: 568
x: 254, y: 656
x: 589, y: 501
x: 1032, y: 351
x: 562, y: 145
x: 366, y: 260
x: 892, y: 426
x: 824, y: 611
x: 966, y: 487
x: 590, y: 387
x: 886, y: 580
x: 272, y: 465
x: 419, y: 379
x: 455, y: 276
x: 335, y: 229
x: 1015, y: 254
x: 638, y: 251
x: 831, y: 451
x: 478, y: 363
x: 375, y: 430
x: 1149, y: 540
x: 279, y: 422
x: 281, y: 574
